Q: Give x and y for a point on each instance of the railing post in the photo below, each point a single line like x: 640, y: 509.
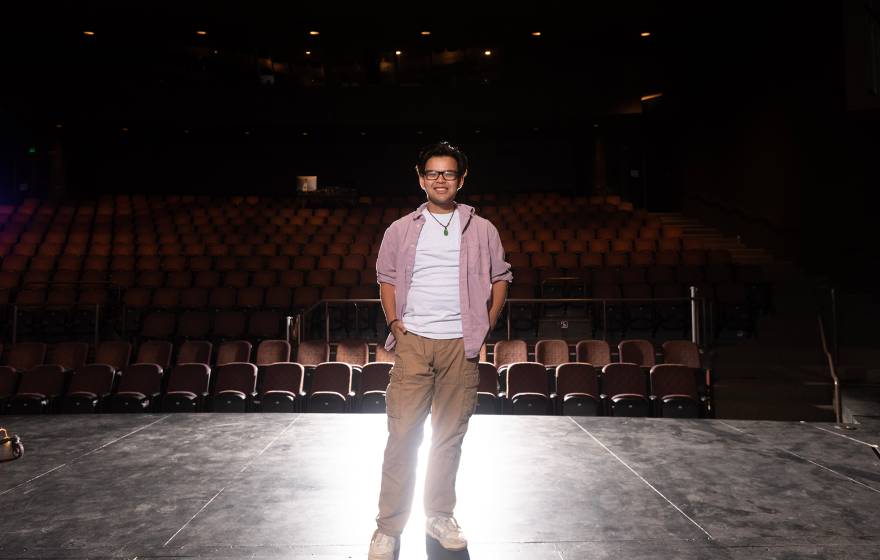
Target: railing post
x: 327, y: 322
x: 695, y: 319
x: 508, y: 320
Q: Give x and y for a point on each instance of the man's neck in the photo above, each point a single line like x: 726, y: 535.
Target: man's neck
x: 438, y: 209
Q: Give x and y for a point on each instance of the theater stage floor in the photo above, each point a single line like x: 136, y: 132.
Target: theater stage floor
x: 531, y: 488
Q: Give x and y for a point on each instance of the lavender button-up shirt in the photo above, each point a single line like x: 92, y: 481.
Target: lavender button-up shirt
x: 481, y: 263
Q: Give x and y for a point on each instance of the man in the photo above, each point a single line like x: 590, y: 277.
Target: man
x: 443, y: 281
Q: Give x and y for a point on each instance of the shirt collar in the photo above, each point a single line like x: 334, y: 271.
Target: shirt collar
x: 463, y: 209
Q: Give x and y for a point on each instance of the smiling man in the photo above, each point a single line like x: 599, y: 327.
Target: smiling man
x: 443, y: 281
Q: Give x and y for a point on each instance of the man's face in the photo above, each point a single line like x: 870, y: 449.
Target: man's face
x: 441, y: 190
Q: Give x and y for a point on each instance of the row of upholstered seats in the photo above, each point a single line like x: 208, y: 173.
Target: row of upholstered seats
x: 551, y: 383
x: 522, y: 203
x: 197, y: 380
x: 158, y: 239
x: 356, y: 256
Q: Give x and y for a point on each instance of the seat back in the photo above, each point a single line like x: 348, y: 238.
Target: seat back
x: 334, y: 377
x: 115, y: 353
x: 682, y: 352
x: 673, y: 380
x: 193, y: 378
x: 639, y: 352
x: 155, y: 352
x: 375, y: 376
x: 575, y: 377
x: 45, y: 380
x: 551, y: 352
x: 141, y: 378
x: 69, y: 355
x: 25, y: 356
x: 527, y: 377
x: 194, y: 352
x: 488, y: 379
x: 383, y: 355
x: 273, y: 351
x: 510, y: 351
x: 282, y: 376
x: 92, y: 378
x: 238, y: 376
x: 354, y: 352
x: 233, y: 351
x: 624, y: 379
x: 312, y: 352
x: 595, y: 352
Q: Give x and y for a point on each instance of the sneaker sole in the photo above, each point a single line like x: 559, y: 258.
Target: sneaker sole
x: 449, y: 548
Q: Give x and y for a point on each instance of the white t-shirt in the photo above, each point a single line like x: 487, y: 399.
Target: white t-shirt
x: 433, y: 304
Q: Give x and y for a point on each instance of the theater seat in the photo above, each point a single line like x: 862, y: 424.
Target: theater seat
x: 235, y: 387
x: 281, y: 387
x: 577, y: 390
x: 625, y: 390
x: 187, y: 388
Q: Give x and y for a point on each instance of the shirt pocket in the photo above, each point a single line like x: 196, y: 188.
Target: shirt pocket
x: 471, y: 384
x: 392, y: 406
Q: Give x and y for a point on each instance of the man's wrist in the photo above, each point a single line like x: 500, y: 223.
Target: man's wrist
x: 392, y: 322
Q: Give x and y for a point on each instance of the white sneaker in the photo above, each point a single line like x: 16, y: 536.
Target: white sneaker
x: 382, y: 547
x: 447, y: 532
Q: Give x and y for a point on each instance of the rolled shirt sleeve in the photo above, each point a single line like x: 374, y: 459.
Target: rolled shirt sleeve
x: 386, y: 261
x: 499, y: 268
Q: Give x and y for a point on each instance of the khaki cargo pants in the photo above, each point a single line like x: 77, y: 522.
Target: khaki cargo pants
x: 428, y: 374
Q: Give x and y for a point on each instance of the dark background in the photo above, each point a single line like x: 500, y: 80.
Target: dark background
x: 767, y: 126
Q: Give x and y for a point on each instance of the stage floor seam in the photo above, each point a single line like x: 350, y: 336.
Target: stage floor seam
x: 640, y: 477
x: 244, y: 468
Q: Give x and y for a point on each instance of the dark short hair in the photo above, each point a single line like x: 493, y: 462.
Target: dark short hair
x: 441, y: 149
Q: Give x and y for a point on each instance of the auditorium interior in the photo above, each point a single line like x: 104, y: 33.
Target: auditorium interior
x: 193, y: 197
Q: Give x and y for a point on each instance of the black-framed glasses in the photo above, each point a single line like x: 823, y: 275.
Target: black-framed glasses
x: 433, y: 175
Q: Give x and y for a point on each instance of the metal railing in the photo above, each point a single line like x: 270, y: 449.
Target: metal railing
x: 838, y: 413
x: 97, y: 307
x: 698, y: 311
x: 300, y: 317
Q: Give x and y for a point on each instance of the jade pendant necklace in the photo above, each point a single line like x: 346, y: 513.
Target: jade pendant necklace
x: 445, y: 226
